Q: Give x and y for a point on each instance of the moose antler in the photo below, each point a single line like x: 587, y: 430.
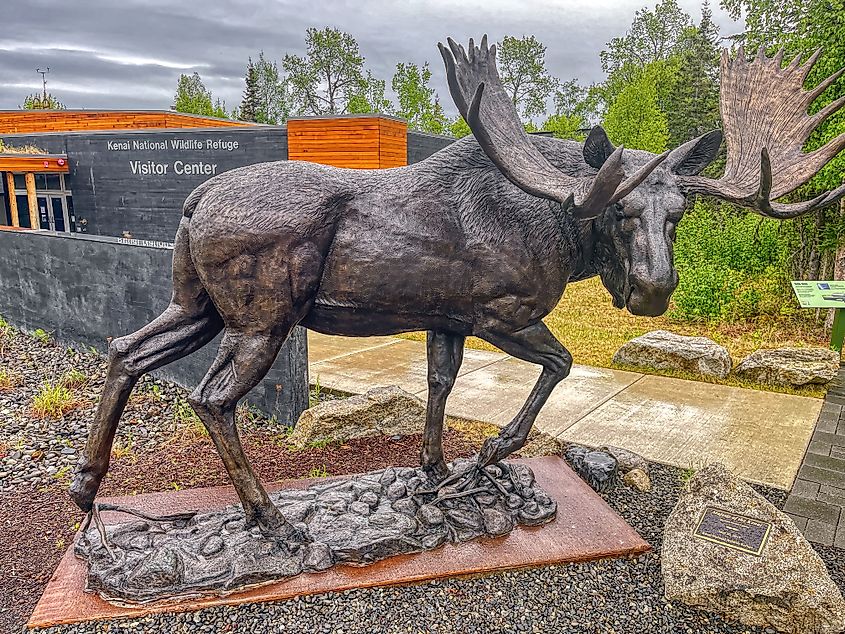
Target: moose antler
x: 488, y: 110
x: 764, y: 113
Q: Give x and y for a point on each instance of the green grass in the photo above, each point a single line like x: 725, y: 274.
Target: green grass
x: 42, y: 336
x: 10, y: 379
x: 586, y: 322
x: 187, y: 421
x: 73, y: 379
x: 53, y: 401
x: 318, y: 472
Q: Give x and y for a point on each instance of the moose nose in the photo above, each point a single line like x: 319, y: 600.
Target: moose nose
x: 649, y: 296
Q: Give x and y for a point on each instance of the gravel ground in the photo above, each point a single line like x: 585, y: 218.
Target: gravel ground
x: 36, y: 452
x: 614, y: 596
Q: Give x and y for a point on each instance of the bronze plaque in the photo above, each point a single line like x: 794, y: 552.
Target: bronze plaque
x: 740, y: 532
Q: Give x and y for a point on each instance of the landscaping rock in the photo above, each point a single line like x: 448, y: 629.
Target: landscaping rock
x: 388, y: 410
x: 637, y: 479
x: 787, y: 587
x: 663, y: 350
x: 596, y: 468
x: 790, y: 366
x: 627, y: 460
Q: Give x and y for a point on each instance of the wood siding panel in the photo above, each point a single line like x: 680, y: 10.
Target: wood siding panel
x: 353, y: 142
x: 37, y: 121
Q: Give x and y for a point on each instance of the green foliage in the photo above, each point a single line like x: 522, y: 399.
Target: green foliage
x: 9, y: 379
x: 565, y: 127
x: 41, y: 335
x: 43, y: 101
x: 329, y: 75
x: 418, y: 102
x: 193, y: 97
x: 369, y: 97
x: 73, y: 379
x: 52, y: 401
x: 318, y: 472
x: 522, y: 68
x: 692, y: 99
x: 459, y: 128
x: 272, y: 99
x: 634, y: 118
x: 248, y: 110
x: 732, y: 265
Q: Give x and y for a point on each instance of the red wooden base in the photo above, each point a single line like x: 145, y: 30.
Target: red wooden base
x: 585, y: 528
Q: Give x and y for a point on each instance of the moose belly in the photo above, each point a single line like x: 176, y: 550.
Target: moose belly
x: 374, y: 283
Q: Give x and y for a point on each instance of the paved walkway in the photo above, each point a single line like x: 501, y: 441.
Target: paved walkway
x: 762, y: 436
x: 817, y: 501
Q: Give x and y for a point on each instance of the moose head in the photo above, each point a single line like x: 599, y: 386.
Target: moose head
x: 764, y: 114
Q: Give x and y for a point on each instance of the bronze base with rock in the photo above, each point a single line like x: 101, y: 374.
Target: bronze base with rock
x: 728, y: 550
x: 357, y: 520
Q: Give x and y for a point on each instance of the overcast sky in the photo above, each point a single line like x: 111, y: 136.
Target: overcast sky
x: 129, y: 54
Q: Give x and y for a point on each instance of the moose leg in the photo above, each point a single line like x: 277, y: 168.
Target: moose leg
x: 445, y: 354
x: 537, y: 345
x: 242, y: 361
x: 175, y: 333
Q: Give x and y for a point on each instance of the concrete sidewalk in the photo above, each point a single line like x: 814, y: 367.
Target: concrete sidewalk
x: 762, y: 436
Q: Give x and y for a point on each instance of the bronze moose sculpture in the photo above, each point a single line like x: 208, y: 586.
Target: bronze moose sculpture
x: 479, y: 239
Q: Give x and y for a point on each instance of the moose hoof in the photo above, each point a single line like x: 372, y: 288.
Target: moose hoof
x: 273, y: 525
x: 83, y: 489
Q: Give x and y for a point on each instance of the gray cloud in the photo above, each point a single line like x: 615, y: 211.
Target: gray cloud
x: 129, y: 54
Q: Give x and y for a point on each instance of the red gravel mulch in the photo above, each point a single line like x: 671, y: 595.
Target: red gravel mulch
x: 36, y: 528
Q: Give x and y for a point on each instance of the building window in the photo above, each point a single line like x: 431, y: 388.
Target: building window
x: 53, y: 199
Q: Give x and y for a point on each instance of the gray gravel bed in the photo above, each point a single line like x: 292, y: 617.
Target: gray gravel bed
x: 39, y: 452
x: 613, y: 596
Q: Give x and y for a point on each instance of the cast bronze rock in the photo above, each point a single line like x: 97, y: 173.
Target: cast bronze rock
x: 354, y: 521
x: 479, y: 239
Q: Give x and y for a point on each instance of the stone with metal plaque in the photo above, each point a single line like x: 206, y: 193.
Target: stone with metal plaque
x: 731, y: 530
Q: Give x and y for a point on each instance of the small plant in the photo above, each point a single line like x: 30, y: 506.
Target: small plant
x: 53, y: 401
x: 121, y: 449
x: 9, y: 379
x: 314, y: 396
x: 73, y: 379
x: 175, y: 486
x: 320, y: 443
x: 186, y: 420
x: 60, y: 544
x: 63, y: 474
x: 318, y: 472
x: 42, y: 336
x: 687, y: 474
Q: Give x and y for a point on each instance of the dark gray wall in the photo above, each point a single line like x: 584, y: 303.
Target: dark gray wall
x: 113, y: 194
x: 84, y: 289
x: 422, y: 145
x: 111, y: 198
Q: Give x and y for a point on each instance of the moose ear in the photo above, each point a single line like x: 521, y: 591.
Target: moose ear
x: 597, y: 147
x: 693, y: 156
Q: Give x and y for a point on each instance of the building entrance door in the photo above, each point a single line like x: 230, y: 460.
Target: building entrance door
x: 53, y: 213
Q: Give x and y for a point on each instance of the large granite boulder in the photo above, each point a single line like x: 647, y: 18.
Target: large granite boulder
x: 390, y: 411
x: 663, y: 350
x: 785, y: 587
x: 790, y: 366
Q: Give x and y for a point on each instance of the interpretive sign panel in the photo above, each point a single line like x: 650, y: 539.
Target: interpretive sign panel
x: 820, y: 294
x: 739, y: 532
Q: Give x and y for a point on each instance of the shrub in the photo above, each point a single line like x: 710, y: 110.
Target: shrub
x: 732, y: 264
x: 53, y: 401
x: 40, y: 335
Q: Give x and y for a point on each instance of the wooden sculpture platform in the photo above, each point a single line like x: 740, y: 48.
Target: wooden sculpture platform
x: 585, y: 528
